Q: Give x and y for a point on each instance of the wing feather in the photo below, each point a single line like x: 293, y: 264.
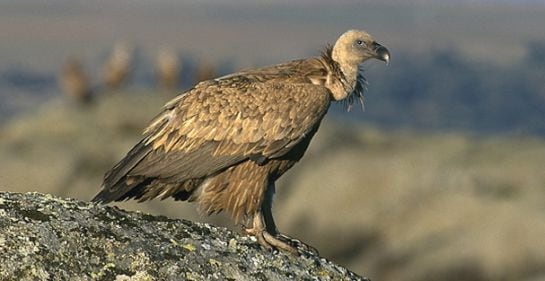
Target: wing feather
x: 192, y: 147
x: 255, y: 115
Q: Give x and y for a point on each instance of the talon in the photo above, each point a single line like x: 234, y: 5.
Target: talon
x: 264, y: 229
x: 277, y: 243
x: 265, y: 239
x: 270, y: 242
x: 263, y: 242
x: 296, y: 243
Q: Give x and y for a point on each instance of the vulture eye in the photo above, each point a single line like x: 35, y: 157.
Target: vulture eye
x: 359, y: 42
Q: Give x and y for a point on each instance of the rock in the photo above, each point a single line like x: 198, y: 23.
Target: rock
x: 43, y: 237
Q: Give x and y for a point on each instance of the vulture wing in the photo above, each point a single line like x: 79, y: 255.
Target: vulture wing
x: 217, y: 124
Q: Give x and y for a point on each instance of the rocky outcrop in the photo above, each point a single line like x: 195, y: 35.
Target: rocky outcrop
x: 43, y: 237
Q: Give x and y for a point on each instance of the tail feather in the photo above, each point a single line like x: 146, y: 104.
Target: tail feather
x: 115, y: 186
x: 122, y: 191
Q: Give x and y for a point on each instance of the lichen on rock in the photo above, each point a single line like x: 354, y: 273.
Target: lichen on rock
x: 43, y: 237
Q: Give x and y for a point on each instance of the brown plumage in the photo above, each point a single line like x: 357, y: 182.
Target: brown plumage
x: 73, y: 81
x: 117, y: 69
x: 204, y: 72
x: 168, y: 69
x: 225, y: 142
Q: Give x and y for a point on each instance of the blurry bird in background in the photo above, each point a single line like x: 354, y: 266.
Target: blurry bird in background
x: 168, y: 69
x: 117, y: 69
x: 204, y: 71
x: 73, y: 81
x: 225, y: 142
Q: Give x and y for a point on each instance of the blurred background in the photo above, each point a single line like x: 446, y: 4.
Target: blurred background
x: 441, y: 177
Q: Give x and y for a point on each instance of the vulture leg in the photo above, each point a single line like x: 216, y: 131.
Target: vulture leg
x: 266, y: 208
x: 271, y: 236
x: 263, y: 227
x: 266, y: 239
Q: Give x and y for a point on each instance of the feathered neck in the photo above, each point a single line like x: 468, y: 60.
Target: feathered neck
x: 354, y: 84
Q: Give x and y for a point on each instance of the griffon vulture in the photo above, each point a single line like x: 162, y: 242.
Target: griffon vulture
x: 224, y: 142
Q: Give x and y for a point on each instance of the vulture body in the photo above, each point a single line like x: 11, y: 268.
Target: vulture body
x: 168, y: 69
x: 225, y: 142
x: 117, y: 69
x: 74, y: 82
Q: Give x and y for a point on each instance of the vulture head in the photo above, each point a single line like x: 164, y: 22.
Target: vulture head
x: 356, y: 46
x: 352, y: 49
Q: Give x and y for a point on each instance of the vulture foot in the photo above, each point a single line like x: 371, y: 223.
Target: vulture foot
x: 266, y: 239
x: 296, y: 243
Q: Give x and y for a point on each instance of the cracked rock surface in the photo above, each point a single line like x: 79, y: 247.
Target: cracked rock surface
x: 43, y: 237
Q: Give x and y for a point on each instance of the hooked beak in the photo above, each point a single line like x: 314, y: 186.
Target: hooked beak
x: 381, y: 53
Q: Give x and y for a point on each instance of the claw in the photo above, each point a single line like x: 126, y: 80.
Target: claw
x: 298, y: 244
x: 264, y: 229
x: 265, y: 239
x: 279, y: 244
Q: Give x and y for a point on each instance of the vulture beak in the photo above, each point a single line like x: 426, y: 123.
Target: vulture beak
x: 381, y: 53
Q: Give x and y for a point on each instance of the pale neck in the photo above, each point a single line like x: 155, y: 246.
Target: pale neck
x: 350, y: 76
x: 349, y: 69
